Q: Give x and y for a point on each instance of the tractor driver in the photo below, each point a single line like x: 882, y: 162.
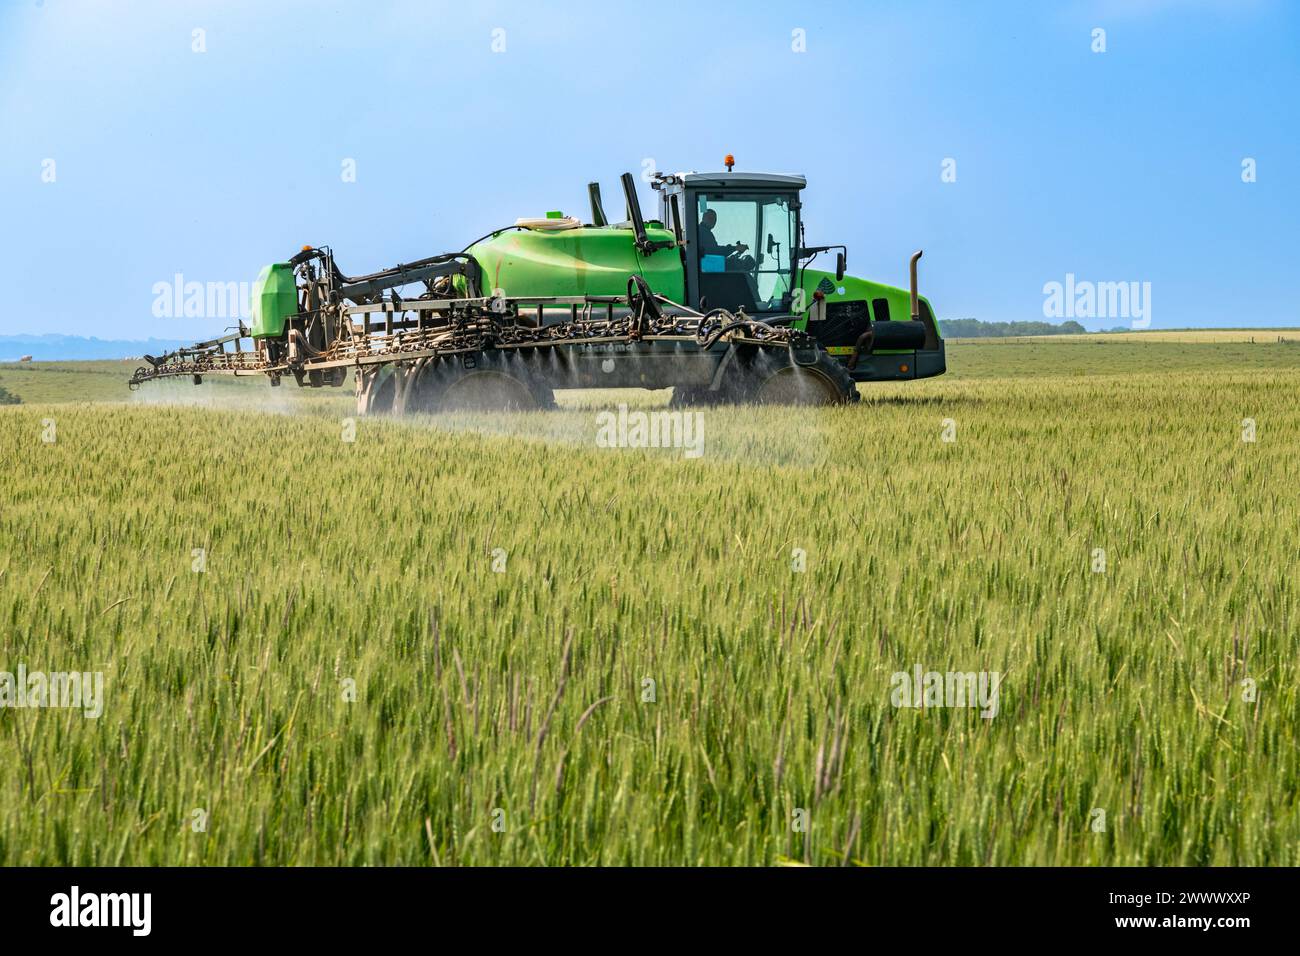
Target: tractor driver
x: 709, y: 245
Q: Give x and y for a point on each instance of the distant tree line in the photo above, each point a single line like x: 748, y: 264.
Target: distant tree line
x: 975, y: 329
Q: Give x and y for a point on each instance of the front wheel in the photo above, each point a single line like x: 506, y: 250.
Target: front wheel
x: 804, y: 385
x: 773, y: 377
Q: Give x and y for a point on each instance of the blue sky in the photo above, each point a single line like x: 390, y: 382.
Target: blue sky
x: 1117, y: 166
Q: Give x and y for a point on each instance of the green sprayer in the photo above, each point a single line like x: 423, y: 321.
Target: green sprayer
x: 715, y: 298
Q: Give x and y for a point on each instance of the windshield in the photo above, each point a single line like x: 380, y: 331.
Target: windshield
x: 744, y: 244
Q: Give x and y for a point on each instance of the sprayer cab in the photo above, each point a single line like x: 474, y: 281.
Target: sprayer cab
x: 738, y: 233
x: 741, y: 237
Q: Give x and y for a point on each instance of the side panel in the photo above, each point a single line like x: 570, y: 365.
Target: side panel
x: 587, y: 261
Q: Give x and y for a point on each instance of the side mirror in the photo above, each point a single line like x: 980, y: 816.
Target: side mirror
x: 771, y: 243
x: 839, y: 267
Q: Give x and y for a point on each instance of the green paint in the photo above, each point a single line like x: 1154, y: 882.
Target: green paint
x: 275, y: 298
x: 590, y: 260
x: 855, y: 289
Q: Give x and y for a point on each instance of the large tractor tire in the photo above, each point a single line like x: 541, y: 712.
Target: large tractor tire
x: 772, y: 377
x: 493, y: 382
x: 377, y: 391
x: 825, y: 382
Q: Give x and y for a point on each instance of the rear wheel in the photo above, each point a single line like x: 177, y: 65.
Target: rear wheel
x: 494, y: 382
x: 376, y: 391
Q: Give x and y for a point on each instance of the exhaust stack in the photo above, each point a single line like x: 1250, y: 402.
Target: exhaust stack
x: 916, y: 304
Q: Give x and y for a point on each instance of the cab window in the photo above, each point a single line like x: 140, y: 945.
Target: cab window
x: 743, y: 245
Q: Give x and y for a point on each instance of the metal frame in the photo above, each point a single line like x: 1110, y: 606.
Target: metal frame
x: 642, y: 327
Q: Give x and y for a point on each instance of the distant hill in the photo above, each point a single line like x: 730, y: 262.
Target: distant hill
x: 975, y: 329
x: 55, y: 348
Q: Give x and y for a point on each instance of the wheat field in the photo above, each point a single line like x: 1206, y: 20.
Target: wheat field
x: 486, y: 640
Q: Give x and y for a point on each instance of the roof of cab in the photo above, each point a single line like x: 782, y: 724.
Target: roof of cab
x: 745, y: 178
